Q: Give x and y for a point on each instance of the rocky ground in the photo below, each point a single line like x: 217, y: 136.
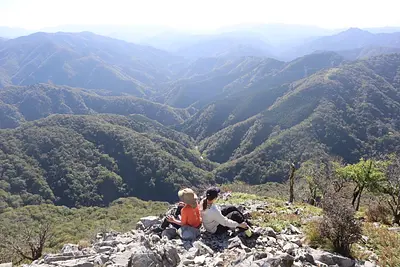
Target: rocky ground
x: 141, y: 247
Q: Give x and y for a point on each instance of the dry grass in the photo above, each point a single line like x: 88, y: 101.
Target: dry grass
x: 385, y: 243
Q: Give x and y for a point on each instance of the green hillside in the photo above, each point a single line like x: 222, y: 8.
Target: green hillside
x: 259, y: 92
x: 350, y: 111
x: 27, y: 103
x: 198, y: 122
x: 93, y: 160
x: 83, y: 60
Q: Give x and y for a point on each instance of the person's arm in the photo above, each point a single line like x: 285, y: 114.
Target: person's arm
x: 221, y: 219
x: 171, y: 219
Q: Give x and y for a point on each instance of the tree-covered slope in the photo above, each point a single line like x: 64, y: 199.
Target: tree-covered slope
x: 203, y: 82
x: 259, y: 92
x: 27, y: 103
x: 349, y: 111
x: 83, y: 60
x: 92, y: 160
x: 366, y: 52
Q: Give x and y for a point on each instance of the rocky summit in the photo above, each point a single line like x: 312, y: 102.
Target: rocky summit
x: 144, y: 247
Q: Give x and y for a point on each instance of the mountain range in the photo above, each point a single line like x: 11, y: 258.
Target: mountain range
x: 88, y: 119
x: 83, y: 60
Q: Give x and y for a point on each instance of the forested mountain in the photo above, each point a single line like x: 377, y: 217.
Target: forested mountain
x: 218, y: 78
x: 80, y: 126
x: 224, y: 78
x: 366, y: 52
x: 348, y: 111
x: 27, y: 103
x: 258, y: 92
x: 83, y: 60
x: 350, y: 39
x: 92, y: 160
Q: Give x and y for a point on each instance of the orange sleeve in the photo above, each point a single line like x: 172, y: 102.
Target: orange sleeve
x: 184, y: 216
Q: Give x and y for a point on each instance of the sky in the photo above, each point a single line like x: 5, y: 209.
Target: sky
x: 199, y: 15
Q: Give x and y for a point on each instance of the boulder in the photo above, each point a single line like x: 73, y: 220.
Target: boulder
x: 331, y: 259
x: 269, y: 231
x: 50, y: 258
x: 71, y: 250
x: 104, y: 249
x: 155, y: 238
x: 169, y: 233
x: 200, y: 259
x: 278, y: 260
x: 6, y: 264
x: 108, y: 243
x: 140, y: 226
x: 100, y: 260
x: 294, y: 230
x: 149, y: 221
x: 235, y: 242
x: 77, y: 263
x: 290, y: 247
x: 163, y: 256
x: 202, y: 248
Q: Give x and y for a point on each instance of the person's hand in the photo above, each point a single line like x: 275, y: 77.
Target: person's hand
x: 170, y: 218
x: 243, y: 225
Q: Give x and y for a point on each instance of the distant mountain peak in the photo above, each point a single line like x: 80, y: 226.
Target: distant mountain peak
x: 354, y: 31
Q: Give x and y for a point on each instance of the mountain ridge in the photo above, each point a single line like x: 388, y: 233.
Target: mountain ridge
x: 19, y: 104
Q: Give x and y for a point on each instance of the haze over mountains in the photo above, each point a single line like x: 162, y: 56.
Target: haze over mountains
x: 82, y: 113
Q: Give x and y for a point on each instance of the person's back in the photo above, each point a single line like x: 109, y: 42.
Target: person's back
x: 191, y: 216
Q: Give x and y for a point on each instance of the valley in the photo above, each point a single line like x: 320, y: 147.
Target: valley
x: 82, y: 112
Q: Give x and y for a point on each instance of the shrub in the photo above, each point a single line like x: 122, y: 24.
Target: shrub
x: 339, y: 225
x: 377, y: 212
x: 83, y: 244
x: 314, y: 238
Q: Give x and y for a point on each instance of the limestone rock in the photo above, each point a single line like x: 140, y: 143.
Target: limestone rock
x: 70, y: 250
x: 202, y: 249
x: 104, y: 249
x: 294, y: 230
x: 200, y: 259
x: 149, y: 221
x: 331, y: 259
x: 290, y: 247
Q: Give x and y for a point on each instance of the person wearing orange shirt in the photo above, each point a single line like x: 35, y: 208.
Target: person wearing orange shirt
x: 190, y: 221
x: 190, y: 213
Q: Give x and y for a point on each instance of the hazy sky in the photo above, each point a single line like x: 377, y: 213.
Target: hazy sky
x: 200, y: 14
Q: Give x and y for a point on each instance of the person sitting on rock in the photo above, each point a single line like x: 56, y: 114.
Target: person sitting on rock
x: 218, y: 221
x: 190, y: 219
x: 190, y: 213
x: 168, y: 221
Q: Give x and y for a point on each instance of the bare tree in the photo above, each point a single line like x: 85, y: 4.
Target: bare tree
x: 391, y: 186
x: 27, y: 240
x: 321, y: 177
x: 291, y: 182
